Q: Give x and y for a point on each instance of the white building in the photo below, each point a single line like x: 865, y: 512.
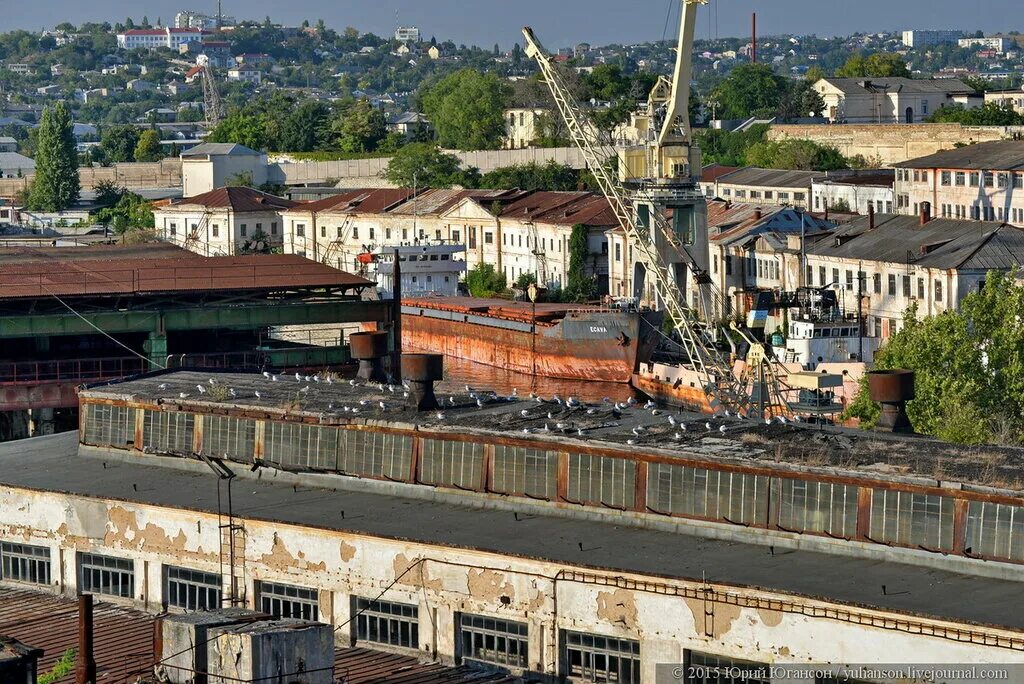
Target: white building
x: 188, y: 19
x: 1013, y: 99
x: 998, y: 44
x: 152, y: 39
x: 225, y: 221
x: 890, y: 100
x: 916, y: 39
x: 407, y: 34
x: 245, y: 74
x: 858, y: 192
x: 210, y: 166
x: 429, y: 269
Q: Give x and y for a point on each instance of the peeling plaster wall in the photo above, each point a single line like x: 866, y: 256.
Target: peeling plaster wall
x: 444, y: 582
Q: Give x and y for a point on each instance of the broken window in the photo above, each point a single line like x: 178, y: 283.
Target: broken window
x: 908, y: 519
x: 995, y: 531
x: 191, y: 589
x: 733, y: 497
x: 525, y: 472
x: 106, y: 575
x: 230, y: 438
x: 24, y: 563
x: 601, y: 480
x: 595, y: 658
x: 453, y: 464
x: 168, y: 432
x: 286, y: 601
x: 107, y: 425
x: 386, y: 622
x: 374, y: 454
x: 817, y: 507
x: 491, y: 640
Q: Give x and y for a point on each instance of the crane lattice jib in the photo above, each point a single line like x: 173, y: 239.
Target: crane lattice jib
x: 714, y: 369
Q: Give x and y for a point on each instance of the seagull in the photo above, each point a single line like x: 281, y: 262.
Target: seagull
x: 383, y: 406
x: 547, y: 428
x: 526, y: 431
x: 637, y: 431
x: 202, y: 390
x: 355, y: 410
x: 273, y: 378
x: 672, y: 421
x: 721, y: 428
x: 182, y: 395
x: 329, y: 381
x: 451, y: 401
x: 557, y: 399
x: 551, y: 416
x: 655, y: 412
x: 524, y: 413
x: 781, y: 419
x: 591, y: 411
x: 631, y: 442
x: 364, y: 402
x: 440, y: 415
x: 708, y: 426
x: 468, y: 388
x: 308, y: 378
x: 630, y: 401
x: 533, y: 395
x: 515, y: 391
x: 162, y: 386
x: 479, y: 403
x: 257, y: 394
x: 606, y: 400
x: 560, y: 426
x: 678, y: 435
x: 579, y: 431
x: 232, y: 392
x: 682, y: 426
x: 330, y: 407
x: 727, y: 414
x: 305, y: 389
x: 767, y: 421
x: 266, y: 374
x: 298, y: 378
x: 353, y: 383
x: 649, y: 405
x: 212, y: 382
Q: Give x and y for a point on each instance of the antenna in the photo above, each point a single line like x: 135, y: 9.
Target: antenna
x: 220, y: 16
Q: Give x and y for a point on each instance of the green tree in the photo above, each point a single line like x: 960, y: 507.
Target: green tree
x: 307, y: 127
x: 64, y: 666
x: 989, y: 114
x: 361, y: 127
x: 579, y: 286
x: 875, y: 65
x: 749, y: 90
x: 802, y: 155
x: 484, y: 281
x: 968, y: 365
x: 132, y: 212
x: 56, y: 185
x: 148, y: 148
x: 814, y: 74
x: 243, y: 129
x: 534, y: 176
x: 108, y: 193
x: 426, y: 166
x: 800, y: 99
x: 728, y: 148
x: 468, y: 110
x: 118, y: 143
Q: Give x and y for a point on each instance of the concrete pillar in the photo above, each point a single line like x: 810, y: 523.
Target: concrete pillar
x: 43, y: 422
x: 156, y: 347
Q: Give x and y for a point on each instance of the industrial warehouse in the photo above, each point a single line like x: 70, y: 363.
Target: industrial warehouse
x: 543, y: 536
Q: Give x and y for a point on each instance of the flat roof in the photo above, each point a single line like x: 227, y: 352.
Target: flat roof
x: 90, y: 277
x: 995, y: 155
x: 42, y: 463
x: 795, y: 446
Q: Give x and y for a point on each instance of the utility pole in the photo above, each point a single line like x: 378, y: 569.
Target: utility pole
x: 753, y: 39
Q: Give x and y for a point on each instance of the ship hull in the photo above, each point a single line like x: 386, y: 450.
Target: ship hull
x: 674, y: 386
x: 594, y: 345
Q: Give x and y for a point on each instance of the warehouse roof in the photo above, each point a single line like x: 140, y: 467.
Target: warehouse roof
x: 770, y: 178
x: 237, y: 199
x: 212, y: 149
x: 996, y: 155
x: 42, y: 464
x: 899, y: 84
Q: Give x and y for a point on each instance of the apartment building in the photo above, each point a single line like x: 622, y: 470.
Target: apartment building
x: 225, y: 221
x: 152, y: 39
x: 1012, y: 99
x: 890, y: 100
x: 857, y: 192
x: 918, y: 38
x: 524, y: 125
x: 981, y: 182
x: 994, y: 43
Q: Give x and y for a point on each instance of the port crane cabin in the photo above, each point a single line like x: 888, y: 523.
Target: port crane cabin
x: 662, y: 212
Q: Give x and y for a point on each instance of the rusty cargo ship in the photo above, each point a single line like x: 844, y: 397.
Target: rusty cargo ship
x: 551, y: 340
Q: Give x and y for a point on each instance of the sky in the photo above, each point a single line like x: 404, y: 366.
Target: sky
x: 558, y: 23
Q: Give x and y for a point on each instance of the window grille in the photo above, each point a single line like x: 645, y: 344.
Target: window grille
x: 995, y: 530
x: 491, y: 640
x: 107, y: 425
x: 525, y: 472
x: 24, y: 563
x: 233, y: 438
x: 818, y: 507
x: 297, y: 445
x: 374, y: 454
x: 286, y: 601
x: 454, y: 464
x: 712, y: 494
x: 168, y: 432
x: 106, y: 575
x: 601, y: 480
x: 385, y: 622
x: 594, y: 658
x: 191, y: 589
x: 924, y: 520
x: 704, y: 668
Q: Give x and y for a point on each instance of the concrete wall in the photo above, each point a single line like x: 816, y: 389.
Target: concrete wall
x: 666, y: 616
x: 161, y: 174
x: 892, y: 143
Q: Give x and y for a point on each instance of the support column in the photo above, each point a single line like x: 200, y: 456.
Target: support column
x: 156, y: 348
x: 43, y: 422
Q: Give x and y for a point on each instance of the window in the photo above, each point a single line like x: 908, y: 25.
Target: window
x: 892, y: 284
x: 877, y: 283
x: 216, y: 230
x: 191, y: 589
x: 906, y: 286
x: 987, y: 180
x: 525, y: 472
x: 849, y: 280
x: 489, y: 238
x: 454, y: 464
x: 960, y: 178
x: 783, y: 196
x: 755, y: 194
x: 817, y: 507
x: 973, y: 179
x: 995, y: 531
x: 300, y: 230
x: 491, y: 640
x: 920, y: 288
x: 386, y: 622
x: 107, y: 425
x: 601, y: 480
x: 286, y: 601
x: 938, y: 290
x: 821, y: 276
x: 709, y: 494
x: 835, y: 276
x: 323, y: 231
x: 728, y: 265
x: 355, y: 232
x: 106, y: 575
x: 799, y: 196
x: 174, y: 228
x: 168, y: 432
x: 594, y: 658
x: 456, y: 236
x: 273, y: 228
x: 947, y: 178
x: 924, y: 520
x: 618, y: 252
x: 232, y: 438
x: 24, y: 563
x: 768, y: 194
x: 1002, y: 180
x: 742, y: 194
x: 244, y: 230
x: 704, y: 668
x: 372, y: 235
x: 1018, y: 180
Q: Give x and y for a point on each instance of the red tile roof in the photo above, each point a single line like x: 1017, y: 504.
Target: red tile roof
x: 370, y: 201
x: 238, y: 199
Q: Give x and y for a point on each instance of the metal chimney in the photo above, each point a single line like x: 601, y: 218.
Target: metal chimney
x: 892, y: 389
x: 421, y: 371
x: 85, y: 663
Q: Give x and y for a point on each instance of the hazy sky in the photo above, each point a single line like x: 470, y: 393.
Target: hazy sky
x: 558, y: 22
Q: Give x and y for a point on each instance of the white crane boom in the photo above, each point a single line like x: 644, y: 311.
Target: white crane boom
x: 712, y: 365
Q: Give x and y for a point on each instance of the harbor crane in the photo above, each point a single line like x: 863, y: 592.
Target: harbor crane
x: 213, y: 107
x: 661, y: 174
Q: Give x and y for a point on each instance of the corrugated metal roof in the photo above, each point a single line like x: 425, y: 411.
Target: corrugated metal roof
x: 366, y: 200
x: 996, y: 155
x: 899, y: 84
x: 72, y: 278
x: 365, y: 666
x: 152, y: 250
x: 771, y: 178
x: 237, y: 199
x: 122, y: 638
x: 219, y: 148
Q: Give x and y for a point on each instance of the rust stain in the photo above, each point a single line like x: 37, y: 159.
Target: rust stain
x: 617, y: 607
x: 416, y: 577
x: 347, y: 552
x: 487, y: 585
x: 770, y: 618
x: 281, y: 559
x: 784, y: 651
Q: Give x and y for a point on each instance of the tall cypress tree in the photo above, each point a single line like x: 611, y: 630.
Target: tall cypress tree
x: 56, y: 185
